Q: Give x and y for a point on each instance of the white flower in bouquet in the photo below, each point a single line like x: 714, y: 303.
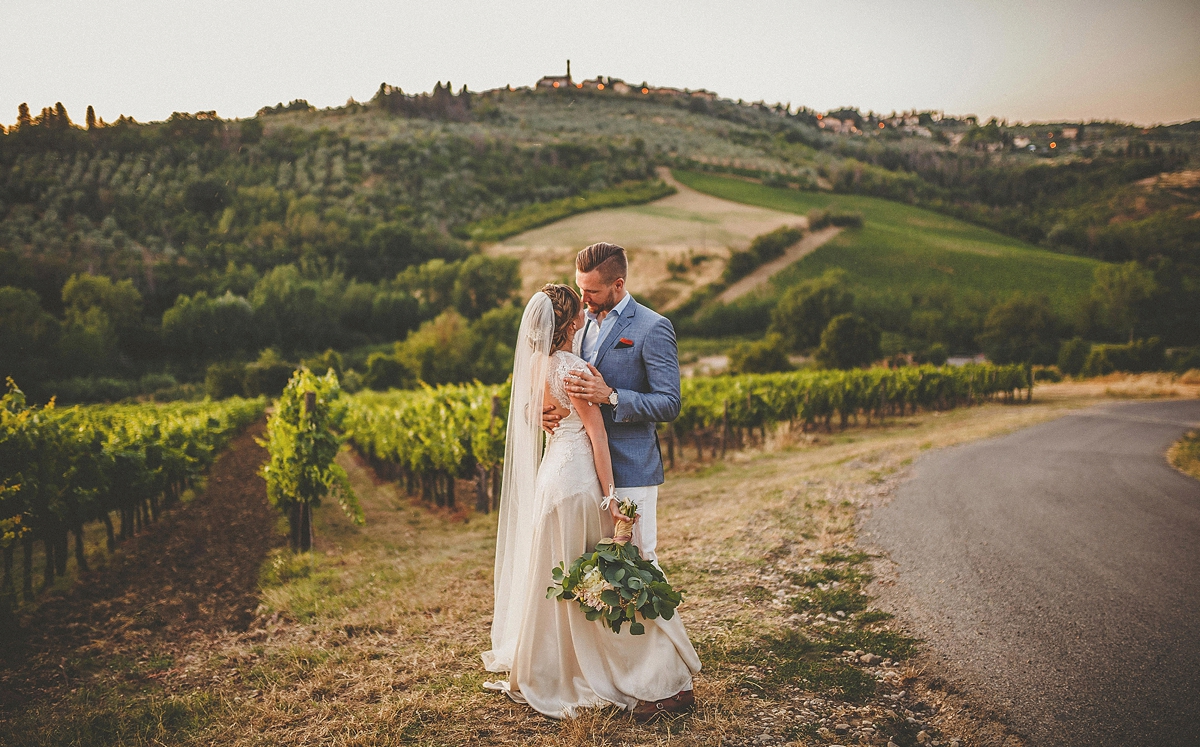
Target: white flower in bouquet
x: 591, y: 585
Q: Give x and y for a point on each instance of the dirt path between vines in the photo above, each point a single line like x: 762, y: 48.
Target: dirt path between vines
x: 194, y: 573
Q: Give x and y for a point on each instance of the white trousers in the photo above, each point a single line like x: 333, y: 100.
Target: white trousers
x: 645, y: 531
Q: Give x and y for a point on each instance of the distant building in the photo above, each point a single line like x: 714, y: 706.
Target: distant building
x: 1020, y: 142
x: 620, y: 86
x: 703, y: 94
x: 1070, y: 133
x: 833, y: 124
x: 557, y: 81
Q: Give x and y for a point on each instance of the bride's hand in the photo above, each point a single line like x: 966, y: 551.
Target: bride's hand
x: 616, y: 514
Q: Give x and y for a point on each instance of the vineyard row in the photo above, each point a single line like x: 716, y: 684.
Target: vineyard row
x: 62, y: 469
x: 428, y: 438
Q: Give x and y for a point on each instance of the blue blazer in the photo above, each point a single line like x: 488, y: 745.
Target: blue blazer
x: 645, y: 373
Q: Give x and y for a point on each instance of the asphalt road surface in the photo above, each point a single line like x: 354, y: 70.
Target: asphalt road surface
x: 1056, y: 571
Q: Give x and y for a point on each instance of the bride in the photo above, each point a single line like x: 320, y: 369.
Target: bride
x: 551, y: 511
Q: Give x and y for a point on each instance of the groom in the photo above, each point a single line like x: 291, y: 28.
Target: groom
x: 634, y: 377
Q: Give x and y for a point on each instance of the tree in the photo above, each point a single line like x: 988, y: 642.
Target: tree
x: 24, y: 121
x: 91, y: 118
x: 484, y: 283
x: 27, y: 335
x: 1121, y: 291
x: 805, y: 310
x: 440, y: 351
x: 200, y: 327
x: 393, y: 314
x: 495, y: 334
x: 1023, y: 329
x: 764, y: 356
x: 848, y: 342
x: 99, y: 314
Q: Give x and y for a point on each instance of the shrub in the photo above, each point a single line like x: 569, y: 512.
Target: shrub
x: 763, y: 249
x: 936, y: 354
x: 740, y: 265
x: 327, y: 360
x: 1047, y: 373
x: 846, y: 220
x: 1072, y: 354
x: 825, y: 218
x: 746, y: 316
x: 387, y: 372
x: 1181, y: 360
x: 268, y: 375
x: 767, y: 355
x: 223, y: 380
x: 1137, y: 356
x: 848, y: 342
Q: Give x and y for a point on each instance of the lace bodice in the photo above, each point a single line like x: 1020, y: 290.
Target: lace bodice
x: 561, y: 364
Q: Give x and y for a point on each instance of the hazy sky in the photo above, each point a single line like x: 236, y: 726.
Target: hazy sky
x: 1028, y: 61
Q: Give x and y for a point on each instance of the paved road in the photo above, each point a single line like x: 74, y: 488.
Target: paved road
x: 1057, y: 570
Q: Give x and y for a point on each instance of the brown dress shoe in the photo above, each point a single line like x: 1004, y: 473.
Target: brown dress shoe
x: 680, y: 702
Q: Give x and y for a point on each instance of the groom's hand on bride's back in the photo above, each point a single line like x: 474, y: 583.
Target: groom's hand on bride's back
x: 588, y: 385
x: 550, y: 419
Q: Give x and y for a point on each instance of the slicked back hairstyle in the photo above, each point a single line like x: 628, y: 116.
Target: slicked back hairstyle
x: 566, y: 303
x: 608, y: 258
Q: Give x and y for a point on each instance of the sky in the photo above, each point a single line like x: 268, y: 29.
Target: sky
x: 1057, y: 60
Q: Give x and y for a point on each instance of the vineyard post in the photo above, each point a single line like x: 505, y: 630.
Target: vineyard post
x: 27, y: 568
x: 80, y: 555
x: 724, y: 428
x: 481, y: 491
x: 305, y: 532
x: 48, y: 568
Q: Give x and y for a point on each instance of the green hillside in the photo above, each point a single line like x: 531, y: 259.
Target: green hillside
x: 905, y: 250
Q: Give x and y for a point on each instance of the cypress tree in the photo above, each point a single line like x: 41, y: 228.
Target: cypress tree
x: 23, y: 118
x: 91, y: 117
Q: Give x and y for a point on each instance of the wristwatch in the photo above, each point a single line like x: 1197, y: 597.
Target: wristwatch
x: 612, y: 398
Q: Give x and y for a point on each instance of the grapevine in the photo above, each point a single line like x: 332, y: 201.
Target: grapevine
x: 430, y: 437
x: 64, y: 468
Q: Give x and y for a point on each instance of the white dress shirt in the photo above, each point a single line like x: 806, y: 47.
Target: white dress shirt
x: 594, y: 331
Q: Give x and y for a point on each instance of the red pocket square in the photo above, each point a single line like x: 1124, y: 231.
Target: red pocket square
x: 624, y: 342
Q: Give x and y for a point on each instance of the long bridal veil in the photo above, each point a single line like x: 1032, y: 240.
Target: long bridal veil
x: 522, y: 457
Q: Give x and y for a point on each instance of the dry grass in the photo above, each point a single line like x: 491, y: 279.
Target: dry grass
x: 1184, y: 455
x: 1126, y: 386
x: 375, y: 637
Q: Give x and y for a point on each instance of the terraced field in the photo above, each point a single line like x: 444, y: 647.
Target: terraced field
x: 689, y: 229
x: 902, y: 249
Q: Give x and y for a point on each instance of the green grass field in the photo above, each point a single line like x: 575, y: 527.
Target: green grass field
x: 904, y: 249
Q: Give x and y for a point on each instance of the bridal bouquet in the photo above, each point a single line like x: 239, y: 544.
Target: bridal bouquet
x: 615, y: 583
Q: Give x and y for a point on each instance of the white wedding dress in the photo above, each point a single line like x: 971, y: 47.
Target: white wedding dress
x: 561, y: 662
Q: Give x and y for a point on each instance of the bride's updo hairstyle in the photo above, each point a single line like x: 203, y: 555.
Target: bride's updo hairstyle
x: 565, y: 301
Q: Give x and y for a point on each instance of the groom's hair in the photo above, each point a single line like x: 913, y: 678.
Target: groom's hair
x: 608, y: 258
